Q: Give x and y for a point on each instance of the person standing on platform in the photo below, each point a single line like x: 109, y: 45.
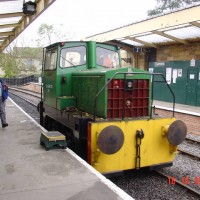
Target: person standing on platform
x: 3, y: 97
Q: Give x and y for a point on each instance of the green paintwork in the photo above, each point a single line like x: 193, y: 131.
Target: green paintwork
x: 91, y: 54
x: 52, y: 86
x: 83, y: 82
x: 65, y: 101
x: 185, y: 86
x: 87, y: 84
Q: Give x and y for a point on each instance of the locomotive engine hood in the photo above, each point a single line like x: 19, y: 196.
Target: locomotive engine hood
x: 91, y: 85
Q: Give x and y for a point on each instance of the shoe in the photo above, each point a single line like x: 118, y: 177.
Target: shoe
x: 4, y: 125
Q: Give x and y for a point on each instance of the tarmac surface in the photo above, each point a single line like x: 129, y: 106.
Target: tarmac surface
x: 29, y: 172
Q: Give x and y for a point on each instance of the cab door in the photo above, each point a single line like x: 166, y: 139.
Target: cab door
x: 191, y: 90
x: 198, y: 89
x: 49, y: 78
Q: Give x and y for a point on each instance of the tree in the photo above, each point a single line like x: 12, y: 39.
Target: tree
x: 48, y: 34
x: 13, y: 61
x: 10, y: 63
x: 169, y: 5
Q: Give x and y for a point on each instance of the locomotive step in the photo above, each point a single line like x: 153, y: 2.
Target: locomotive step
x: 53, y: 140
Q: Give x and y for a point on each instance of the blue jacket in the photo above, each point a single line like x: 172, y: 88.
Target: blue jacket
x: 3, y: 90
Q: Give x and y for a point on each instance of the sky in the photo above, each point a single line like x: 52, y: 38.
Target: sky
x: 81, y: 18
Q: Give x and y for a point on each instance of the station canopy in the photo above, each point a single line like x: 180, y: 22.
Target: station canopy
x: 13, y: 20
x: 181, y: 26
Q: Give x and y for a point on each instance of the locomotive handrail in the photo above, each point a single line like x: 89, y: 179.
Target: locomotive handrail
x: 128, y: 73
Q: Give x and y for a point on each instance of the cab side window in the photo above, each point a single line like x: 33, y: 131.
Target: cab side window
x: 50, y: 60
x: 107, y: 58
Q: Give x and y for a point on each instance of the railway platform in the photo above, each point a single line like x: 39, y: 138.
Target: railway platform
x: 182, y: 108
x: 189, y: 114
x: 28, y: 171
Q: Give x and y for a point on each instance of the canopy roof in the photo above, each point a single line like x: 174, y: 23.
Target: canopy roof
x: 13, y: 21
x: 180, y: 26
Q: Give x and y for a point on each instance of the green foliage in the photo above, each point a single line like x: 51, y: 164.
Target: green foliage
x: 10, y: 65
x: 28, y: 52
x: 169, y: 5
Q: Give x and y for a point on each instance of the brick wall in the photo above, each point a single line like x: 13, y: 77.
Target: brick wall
x: 173, y: 52
x: 191, y: 121
x: 178, y: 52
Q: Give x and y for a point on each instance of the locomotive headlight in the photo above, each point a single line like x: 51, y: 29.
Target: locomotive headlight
x: 129, y: 84
x: 176, y: 132
x: 110, y: 140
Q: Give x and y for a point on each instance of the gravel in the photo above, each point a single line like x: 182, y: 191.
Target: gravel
x: 150, y: 185
x: 147, y: 185
x: 185, y: 166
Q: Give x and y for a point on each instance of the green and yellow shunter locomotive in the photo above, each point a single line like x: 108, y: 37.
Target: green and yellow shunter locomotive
x: 105, y: 109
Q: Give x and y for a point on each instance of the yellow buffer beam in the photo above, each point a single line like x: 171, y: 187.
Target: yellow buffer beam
x: 154, y: 149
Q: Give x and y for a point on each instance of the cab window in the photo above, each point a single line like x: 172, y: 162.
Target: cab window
x: 107, y: 58
x: 73, y: 56
x: 50, y: 60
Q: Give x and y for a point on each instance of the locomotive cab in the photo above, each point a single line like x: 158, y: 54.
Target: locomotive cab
x: 105, y: 109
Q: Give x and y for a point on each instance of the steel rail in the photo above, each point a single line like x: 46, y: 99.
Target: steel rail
x: 192, y: 140
x: 25, y: 91
x: 25, y: 99
x: 188, y: 153
x: 190, y: 189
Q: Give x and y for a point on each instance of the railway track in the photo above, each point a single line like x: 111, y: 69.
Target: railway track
x: 189, y: 154
x: 192, y: 140
x: 172, y: 181
x: 186, y: 171
x: 25, y: 91
x: 190, y: 147
x: 28, y: 96
x: 34, y: 104
x: 27, y: 103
